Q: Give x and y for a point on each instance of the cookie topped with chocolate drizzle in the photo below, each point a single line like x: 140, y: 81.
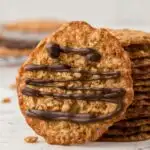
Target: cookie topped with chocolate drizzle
x: 75, y: 84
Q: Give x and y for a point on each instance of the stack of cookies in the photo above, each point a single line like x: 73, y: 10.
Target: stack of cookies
x: 19, y: 38
x: 136, y: 125
x: 75, y: 84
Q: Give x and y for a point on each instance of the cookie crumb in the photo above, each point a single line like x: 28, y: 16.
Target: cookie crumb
x: 6, y: 100
x: 12, y: 86
x: 31, y: 139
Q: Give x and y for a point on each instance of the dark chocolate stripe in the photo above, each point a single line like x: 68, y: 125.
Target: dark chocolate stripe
x: 55, y: 68
x: 54, y: 51
x: 108, y: 96
x: 79, y: 118
x: 104, y: 90
x: 64, y: 49
x: 46, y: 82
x: 67, y: 68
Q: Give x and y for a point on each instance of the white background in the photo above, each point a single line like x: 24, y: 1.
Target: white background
x: 98, y: 12
x: 112, y: 13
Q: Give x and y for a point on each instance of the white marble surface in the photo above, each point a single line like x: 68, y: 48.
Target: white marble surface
x: 13, y: 128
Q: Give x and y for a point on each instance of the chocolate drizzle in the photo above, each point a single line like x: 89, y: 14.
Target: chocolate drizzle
x: 79, y: 118
x: 110, y: 95
x: 67, y: 68
x: 54, y: 51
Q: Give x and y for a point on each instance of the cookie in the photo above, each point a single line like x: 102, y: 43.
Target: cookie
x: 142, y: 76
x: 127, y: 131
x: 137, y: 112
x: 140, y: 54
x: 132, y: 38
x: 141, y: 96
x: 75, y: 84
x: 140, y: 63
x: 131, y: 138
x: 141, y: 102
x: 141, y: 68
x: 141, y: 108
x: 141, y: 72
x: 33, y: 25
x: 133, y: 122
x: 22, y: 37
x: 142, y: 88
x: 141, y: 82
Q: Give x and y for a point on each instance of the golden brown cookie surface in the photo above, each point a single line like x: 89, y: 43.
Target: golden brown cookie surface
x: 75, y: 84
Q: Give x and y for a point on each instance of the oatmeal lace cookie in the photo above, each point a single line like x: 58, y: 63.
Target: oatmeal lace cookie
x: 75, y: 84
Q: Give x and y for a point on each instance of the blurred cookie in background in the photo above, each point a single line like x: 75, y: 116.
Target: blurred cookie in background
x: 19, y: 38
x: 33, y: 25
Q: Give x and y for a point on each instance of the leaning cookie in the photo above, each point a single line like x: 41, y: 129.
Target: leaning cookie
x: 75, y: 84
x: 19, y: 39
